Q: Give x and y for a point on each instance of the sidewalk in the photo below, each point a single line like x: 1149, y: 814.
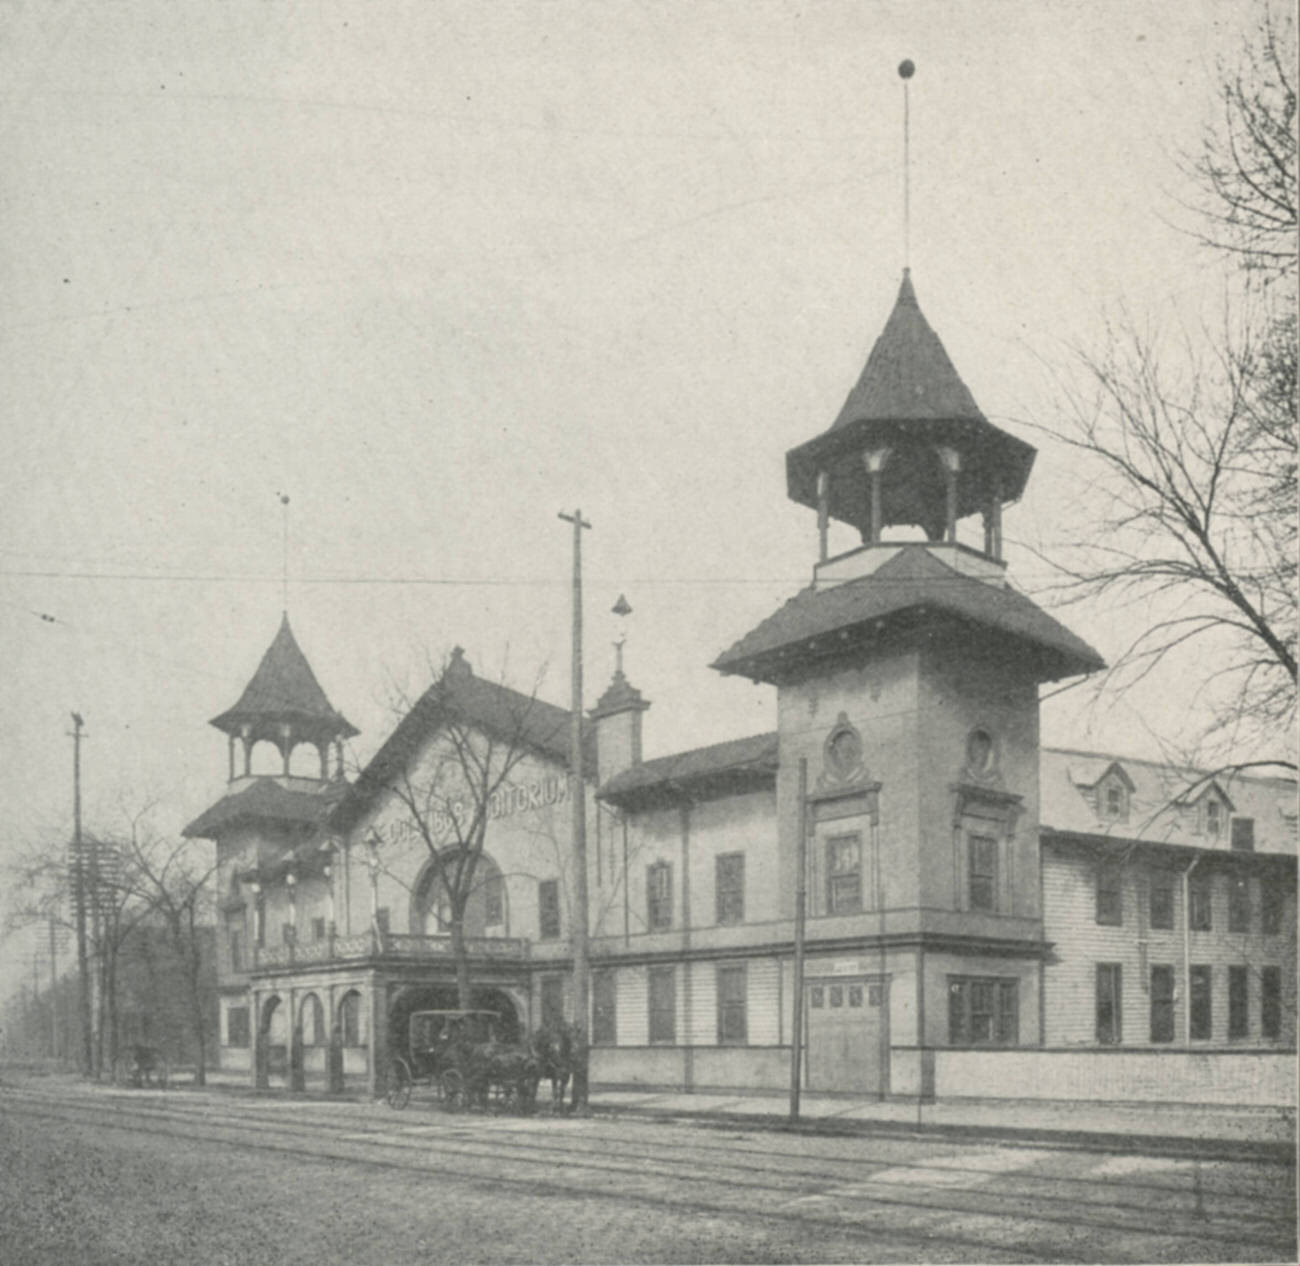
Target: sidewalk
x: 1163, y: 1126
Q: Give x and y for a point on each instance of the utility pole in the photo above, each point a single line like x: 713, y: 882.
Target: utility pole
x: 800, y: 916
x: 79, y: 898
x: 578, y: 801
x: 54, y: 1001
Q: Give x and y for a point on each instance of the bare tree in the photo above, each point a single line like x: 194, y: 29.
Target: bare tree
x: 449, y: 762
x: 1194, y: 438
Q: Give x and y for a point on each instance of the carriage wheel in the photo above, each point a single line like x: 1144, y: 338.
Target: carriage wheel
x: 399, y: 1084
x: 452, y: 1085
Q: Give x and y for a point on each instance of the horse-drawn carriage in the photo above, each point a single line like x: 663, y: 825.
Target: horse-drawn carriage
x: 461, y: 1056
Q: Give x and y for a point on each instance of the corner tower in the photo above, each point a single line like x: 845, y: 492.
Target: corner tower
x: 907, y: 677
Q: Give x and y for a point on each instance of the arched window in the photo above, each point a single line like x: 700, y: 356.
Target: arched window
x: 313, y: 1021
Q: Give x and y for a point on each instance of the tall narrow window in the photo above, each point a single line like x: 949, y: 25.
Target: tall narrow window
x: 663, y: 1005
x: 1162, y: 901
x: 1201, y: 1002
x: 1213, y: 818
x: 1271, y: 901
x: 350, y: 1018
x: 237, y: 950
x: 1199, y: 894
x: 1243, y: 835
x: 729, y: 887
x: 1162, y: 1004
x: 982, y: 887
x: 1109, y: 1008
x: 659, y: 895
x: 552, y: 1001
x: 494, y: 904
x: 604, y: 1008
x: 1239, y: 903
x: 1238, y: 1002
x: 1270, y: 1001
x: 844, y: 874
x: 1110, y: 894
x: 237, y: 1026
x: 732, y: 1025
x: 548, y: 909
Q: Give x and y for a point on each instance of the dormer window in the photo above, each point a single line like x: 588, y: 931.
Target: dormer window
x: 1114, y: 801
x: 1213, y: 818
x: 1113, y: 796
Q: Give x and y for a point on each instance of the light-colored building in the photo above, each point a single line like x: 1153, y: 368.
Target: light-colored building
x: 983, y: 915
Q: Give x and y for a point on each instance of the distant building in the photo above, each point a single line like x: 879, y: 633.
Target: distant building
x: 984, y: 915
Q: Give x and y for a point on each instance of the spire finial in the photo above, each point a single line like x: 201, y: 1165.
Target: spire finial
x: 905, y: 71
x: 284, y: 555
x: 618, y: 656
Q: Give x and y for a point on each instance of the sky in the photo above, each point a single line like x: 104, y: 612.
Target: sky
x: 439, y: 271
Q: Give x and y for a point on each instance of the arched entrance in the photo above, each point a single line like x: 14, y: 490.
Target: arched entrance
x: 443, y: 997
x: 272, y: 1043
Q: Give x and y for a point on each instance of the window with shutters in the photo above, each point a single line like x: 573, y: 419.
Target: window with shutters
x: 604, y: 1008
x: 1238, y: 1002
x: 1109, y: 1004
x: 983, y: 1011
x: 844, y: 874
x: 659, y: 895
x: 1162, y: 901
x: 1110, y: 894
x: 729, y: 887
x: 548, y: 909
x: 1270, y: 1002
x: 732, y: 1023
x: 663, y: 1004
x: 1162, y: 1003
x: 1239, y: 903
x: 1201, y: 1002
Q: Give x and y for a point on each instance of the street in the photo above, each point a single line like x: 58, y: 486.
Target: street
x: 104, y: 1175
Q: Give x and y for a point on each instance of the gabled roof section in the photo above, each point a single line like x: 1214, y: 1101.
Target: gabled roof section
x: 734, y: 766
x: 284, y: 689
x: 908, y: 375
x: 913, y: 581
x: 265, y: 800
x: 458, y: 696
x: 1089, y: 771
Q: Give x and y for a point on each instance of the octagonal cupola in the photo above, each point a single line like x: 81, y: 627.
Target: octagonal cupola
x: 283, y: 704
x: 910, y: 447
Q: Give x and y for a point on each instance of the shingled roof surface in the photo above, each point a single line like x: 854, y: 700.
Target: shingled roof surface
x: 461, y: 697
x: 908, y: 375
x: 283, y: 686
x: 265, y: 800
x: 735, y: 759
x: 912, y: 579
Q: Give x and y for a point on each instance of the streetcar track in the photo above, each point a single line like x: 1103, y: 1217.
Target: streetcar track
x: 375, y: 1141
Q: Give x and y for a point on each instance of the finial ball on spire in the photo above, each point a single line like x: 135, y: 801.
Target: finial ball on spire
x: 906, y: 69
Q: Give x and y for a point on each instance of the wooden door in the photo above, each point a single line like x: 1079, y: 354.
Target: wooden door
x: 848, y: 1038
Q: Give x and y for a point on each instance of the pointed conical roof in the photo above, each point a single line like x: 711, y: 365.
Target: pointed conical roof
x: 284, y: 690
x: 908, y: 398
x: 908, y: 374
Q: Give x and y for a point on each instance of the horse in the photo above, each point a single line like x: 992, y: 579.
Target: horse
x: 553, y: 1045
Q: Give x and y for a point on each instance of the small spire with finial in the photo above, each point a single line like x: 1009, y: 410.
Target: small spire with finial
x: 284, y: 554
x: 906, y: 70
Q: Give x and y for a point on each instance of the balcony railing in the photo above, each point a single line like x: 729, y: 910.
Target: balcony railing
x: 372, y: 944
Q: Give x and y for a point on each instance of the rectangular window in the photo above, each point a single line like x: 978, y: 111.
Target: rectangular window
x: 1199, y: 903
x: 1270, y: 1001
x: 1202, y: 1003
x: 1162, y: 1004
x: 663, y: 1004
x: 983, y: 1011
x: 1239, y: 904
x: 318, y: 929
x: 548, y: 909
x: 729, y: 887
x: 604, y: 1008
x: 1213, y: 818
x: 1162, y: 901
x: 237, y: 1026
x: 382, y: 920
x: 1243, y: 835
x: 1238, y: 1002
x: 659, y: 895
x: 287, y: 933
x: 1114, y: 800
x: 983, y: 861
x: 1109, y: 1004
x: 732, y: 1025
x: 1110, y: 894
x: 350, y: 1018
x: 236, y: 951
x: 844, y: 874
x: 1271, y: 902
x: 494, y: 904
x: 552, y: 1001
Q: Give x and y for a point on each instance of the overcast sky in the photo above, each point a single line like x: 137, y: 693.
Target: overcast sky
x: 438, y: 271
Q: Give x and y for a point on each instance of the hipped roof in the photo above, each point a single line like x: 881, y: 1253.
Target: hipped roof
x: 285, y: 690
x: 733, y: 766
x: 265, y: 800
x: 914, y: 580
